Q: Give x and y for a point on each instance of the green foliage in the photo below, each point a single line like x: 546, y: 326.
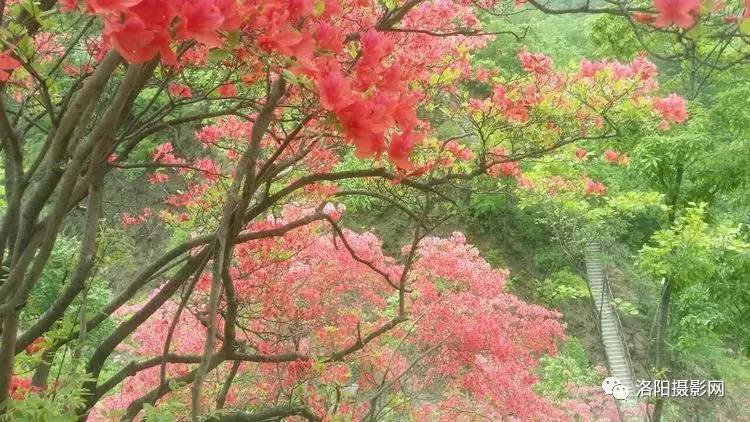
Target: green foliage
x: 499, y: 216
x: 561, y: 286
x: 699, y: 317
x: 558, y: 36
x: 165, y: 411
x: 702, y: 160
x: 113, y: 253
x: 55, y: 274
x: 635, y: 203
x: 356, y: 203
x: 689, y: 251
x: 709, y: 359
x: 569, y: 366
x: 708, y: 266
x: 550, y: 258
x: 58, y: 404
x: 625, y: 307
x: 115, y: 248
x: 572, y: 219
x: 495, y: 258
x: 483, y: 206
x: 391, y: 306
x: 612, y: 37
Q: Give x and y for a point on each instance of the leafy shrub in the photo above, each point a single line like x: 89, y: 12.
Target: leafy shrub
x: 58, y: 404
x: 570, y: 366
x: 627, y: 308
x: 561, y: 286
x: 53, y: 278
x: 550, y: 259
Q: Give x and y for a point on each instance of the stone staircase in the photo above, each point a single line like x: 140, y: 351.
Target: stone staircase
x: 615, y: 347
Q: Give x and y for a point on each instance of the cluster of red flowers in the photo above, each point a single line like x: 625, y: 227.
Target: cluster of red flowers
x: 614, y: 157
x: 371, y: 94
x: 141, y: 29
x: 366, y: 118
x: 594, y: 187
x: 7, y: 65
x: 19, y: 387
x: 672, y: 110
x: 685, y: 13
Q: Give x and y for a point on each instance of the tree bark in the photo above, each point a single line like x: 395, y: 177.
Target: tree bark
x: 661, y: 340
x: 660, y: 358
x: 7, y: 353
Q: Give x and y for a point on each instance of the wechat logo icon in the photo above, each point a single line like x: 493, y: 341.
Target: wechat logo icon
x: 615, y: 387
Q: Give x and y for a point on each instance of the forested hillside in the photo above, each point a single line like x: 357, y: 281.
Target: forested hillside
x: 374, y: 210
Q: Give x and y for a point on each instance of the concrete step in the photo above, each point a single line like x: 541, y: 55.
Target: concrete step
x: 609, y: 337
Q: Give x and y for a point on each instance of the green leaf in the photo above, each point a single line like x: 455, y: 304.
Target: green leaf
x: 289, y: 76
x: 217, y: 55
x: 233, y: 38
x: 745, y: 26
x: 319, y: 8
x: 25, y: 46
x: 32, y: 8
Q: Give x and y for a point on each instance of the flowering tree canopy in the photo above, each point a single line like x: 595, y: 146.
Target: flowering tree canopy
x: 237, y: 129
x: 705, y: 35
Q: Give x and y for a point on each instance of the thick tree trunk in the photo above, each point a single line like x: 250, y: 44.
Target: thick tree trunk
x: 7, y: 352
